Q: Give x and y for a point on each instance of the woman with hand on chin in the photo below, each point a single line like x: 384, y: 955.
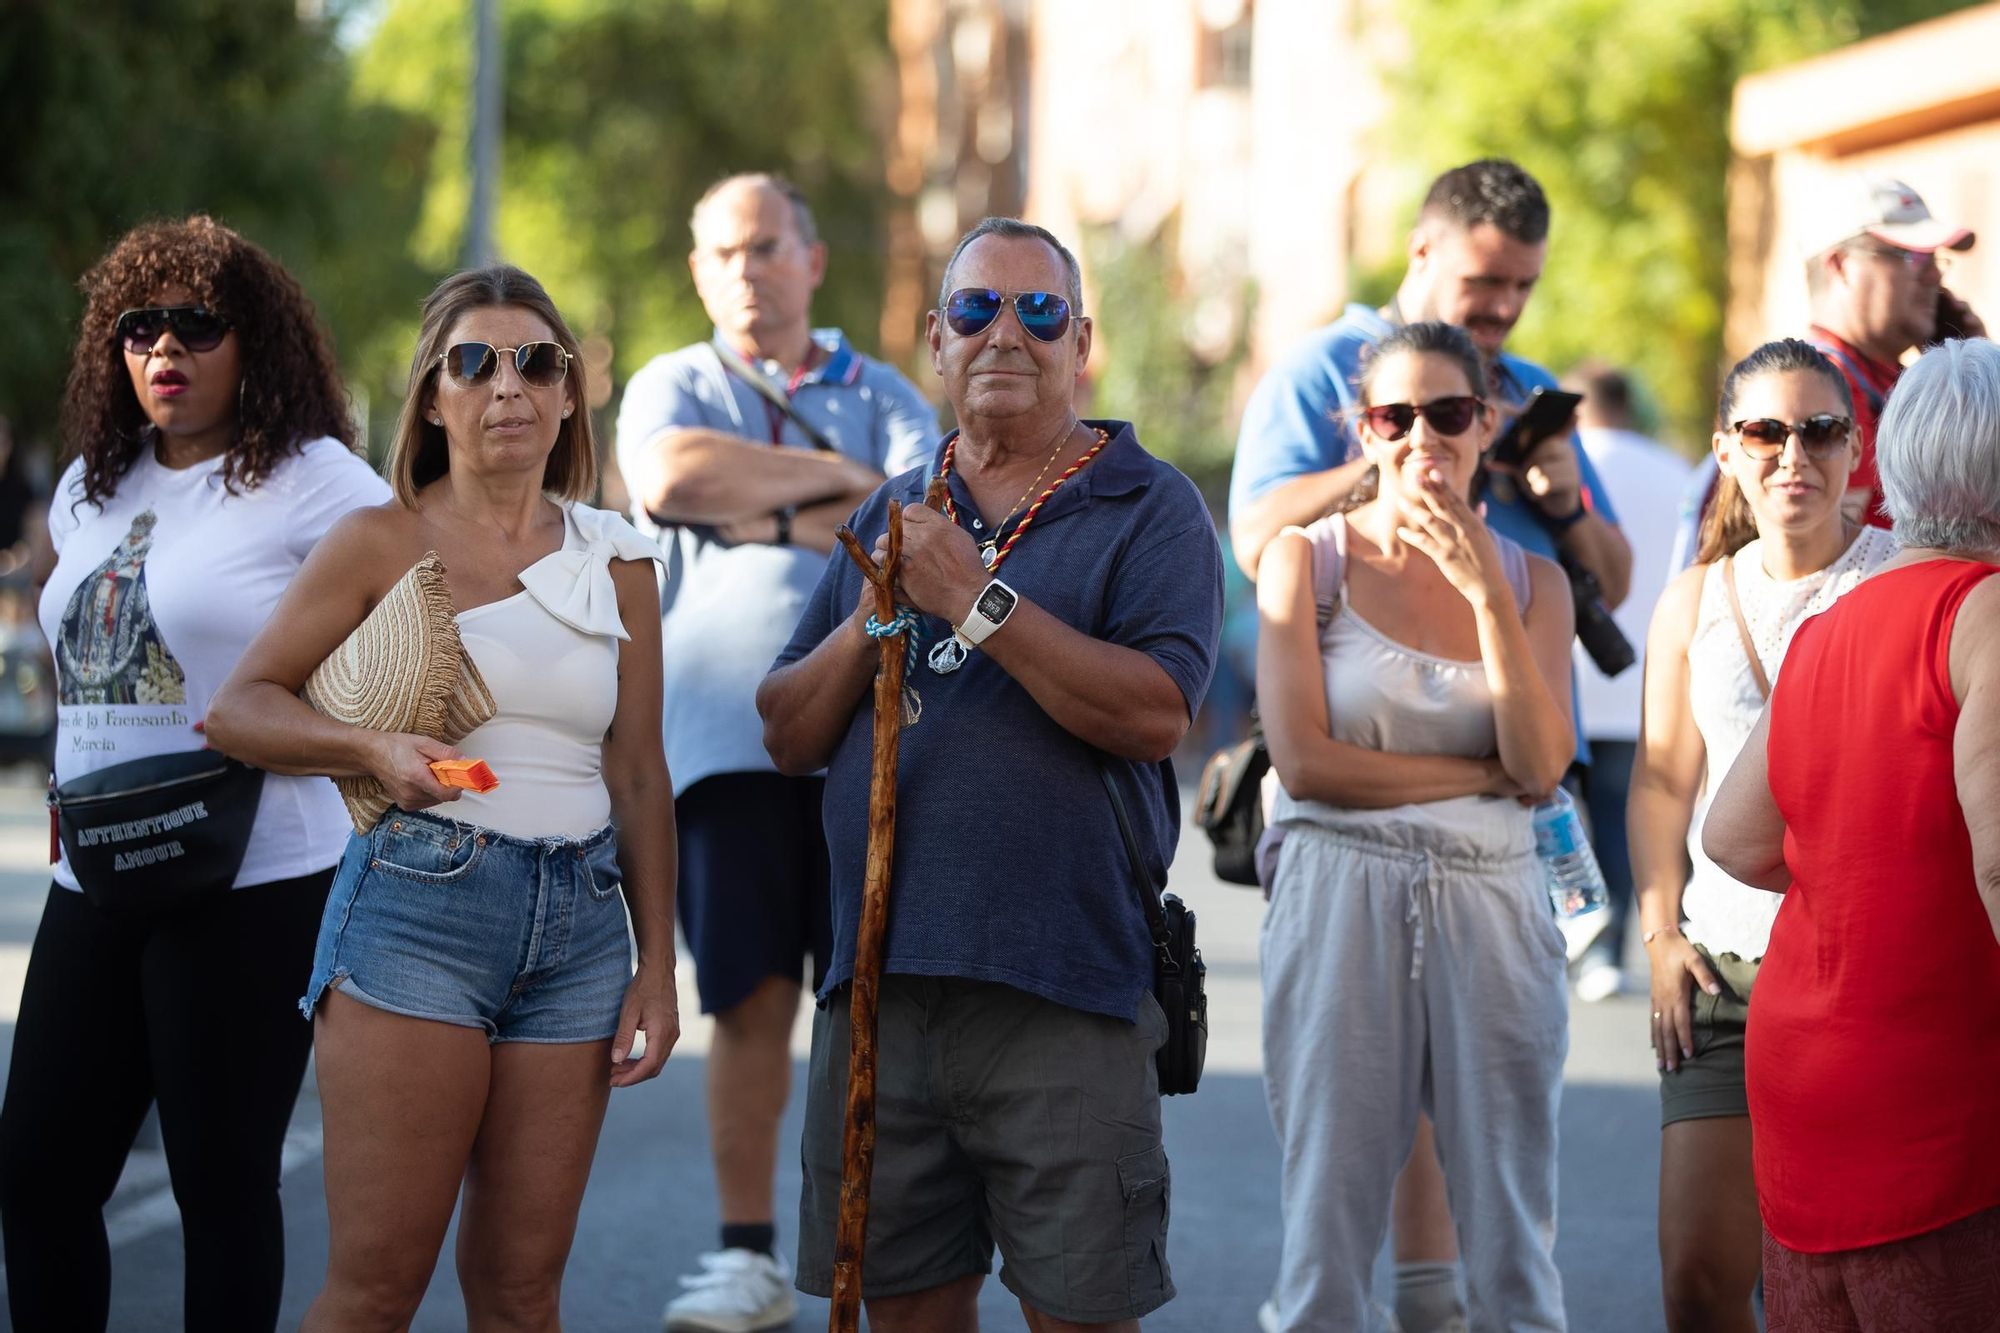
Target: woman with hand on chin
x: 472, y: 994
x: 1413, y: 671
x: 213, y: 448
x: 1776, y: 546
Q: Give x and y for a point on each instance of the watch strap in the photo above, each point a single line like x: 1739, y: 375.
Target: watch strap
x: 973, y: 630
x: 1565, y: 522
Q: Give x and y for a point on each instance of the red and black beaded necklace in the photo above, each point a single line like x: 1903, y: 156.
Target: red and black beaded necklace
x: 990, y: 557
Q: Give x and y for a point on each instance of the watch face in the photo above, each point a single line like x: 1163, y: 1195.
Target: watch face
x: 994, y: 603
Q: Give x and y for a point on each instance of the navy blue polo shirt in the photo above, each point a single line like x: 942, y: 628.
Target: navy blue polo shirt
x: 1009, y: 866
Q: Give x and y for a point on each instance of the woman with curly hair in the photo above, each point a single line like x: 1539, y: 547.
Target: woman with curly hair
x: 212, y: 449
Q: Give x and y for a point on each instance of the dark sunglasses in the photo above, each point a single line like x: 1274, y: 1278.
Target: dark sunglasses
x: 197, y: 328
x: 1446, y: 416
x: 1820, y: 436
x: 1045, y: 315
x: 541, y: 364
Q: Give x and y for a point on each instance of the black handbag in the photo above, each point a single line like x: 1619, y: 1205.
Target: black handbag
x: 1180, y: 978
x: 1229, y: 805
x: 158, y: 834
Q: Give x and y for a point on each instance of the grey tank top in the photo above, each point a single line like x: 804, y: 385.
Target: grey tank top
x: 1388, y: 697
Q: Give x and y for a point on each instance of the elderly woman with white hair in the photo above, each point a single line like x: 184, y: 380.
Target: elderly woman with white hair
x: 1869, y: 795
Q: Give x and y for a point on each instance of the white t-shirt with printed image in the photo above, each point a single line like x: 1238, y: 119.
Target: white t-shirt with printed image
x: 155, y: 596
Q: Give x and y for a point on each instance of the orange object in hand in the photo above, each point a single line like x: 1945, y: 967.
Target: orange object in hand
x: 469, y: 774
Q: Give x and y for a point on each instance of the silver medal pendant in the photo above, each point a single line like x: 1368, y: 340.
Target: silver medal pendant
x: 987, y: 555
x: 948, y: 656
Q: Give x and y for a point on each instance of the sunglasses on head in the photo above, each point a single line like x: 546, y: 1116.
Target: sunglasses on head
x: 1446, y: 416
x: 197, y: 328
x: 1820, y: 436
x: 1045, y: 315
x: 541, y: 364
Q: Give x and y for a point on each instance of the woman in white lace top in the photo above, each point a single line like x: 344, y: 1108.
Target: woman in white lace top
x: 1775, y: 549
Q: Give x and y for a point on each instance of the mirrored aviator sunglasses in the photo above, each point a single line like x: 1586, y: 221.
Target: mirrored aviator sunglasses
x: 1820, y: 436
x: 1446, y: 416
x: 969, y: 310
x: 195, y: 327
x: 541, y: 364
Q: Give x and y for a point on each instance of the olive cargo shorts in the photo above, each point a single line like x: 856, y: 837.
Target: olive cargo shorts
x: 1001, y: 1117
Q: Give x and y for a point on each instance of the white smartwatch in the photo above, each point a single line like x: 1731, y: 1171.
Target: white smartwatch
x: 996, y: 601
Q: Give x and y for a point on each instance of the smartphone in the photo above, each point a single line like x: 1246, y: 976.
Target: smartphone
x: 1547, y: 412
x: 1949, y: 311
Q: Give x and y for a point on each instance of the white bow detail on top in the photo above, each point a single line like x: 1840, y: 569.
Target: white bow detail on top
x: 574, y: 584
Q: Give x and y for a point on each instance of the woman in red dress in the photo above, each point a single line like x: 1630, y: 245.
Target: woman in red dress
x: 1869, y: 796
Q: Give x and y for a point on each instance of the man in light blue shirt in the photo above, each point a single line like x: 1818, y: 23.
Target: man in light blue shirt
x: 1475, y: 256
x: 745, y: 453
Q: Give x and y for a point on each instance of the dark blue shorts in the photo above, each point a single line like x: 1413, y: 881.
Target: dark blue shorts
x: 755, y: 895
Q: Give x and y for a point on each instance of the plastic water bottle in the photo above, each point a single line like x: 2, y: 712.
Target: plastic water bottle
x: 1576, y: 883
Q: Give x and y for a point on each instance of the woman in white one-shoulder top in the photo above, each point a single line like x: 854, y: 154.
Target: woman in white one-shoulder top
x: 472, y: 994
x: 1776, y: 549
x: 1413, y: 672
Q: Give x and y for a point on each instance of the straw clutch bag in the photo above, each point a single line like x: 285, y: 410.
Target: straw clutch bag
x: 403, y: 669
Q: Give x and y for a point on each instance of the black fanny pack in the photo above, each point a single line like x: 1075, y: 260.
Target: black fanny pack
x: 160, y: 833
x: 1180, y: 978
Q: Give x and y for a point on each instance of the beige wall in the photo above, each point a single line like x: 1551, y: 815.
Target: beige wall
x: 1127, y: 130
x: 1921, y: 104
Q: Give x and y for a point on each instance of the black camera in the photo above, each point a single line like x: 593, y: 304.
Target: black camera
x: 1595, y: 629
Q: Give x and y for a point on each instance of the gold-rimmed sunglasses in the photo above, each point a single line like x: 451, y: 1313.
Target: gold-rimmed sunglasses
x: 541, y: 364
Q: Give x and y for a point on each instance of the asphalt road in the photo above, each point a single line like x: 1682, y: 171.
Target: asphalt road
x: 650, y: 1209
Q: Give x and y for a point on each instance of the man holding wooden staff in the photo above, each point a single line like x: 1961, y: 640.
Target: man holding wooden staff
x: 1071, y: 595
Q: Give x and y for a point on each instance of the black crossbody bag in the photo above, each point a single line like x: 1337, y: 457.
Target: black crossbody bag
x: 158, y: 834
x: 1180, y: 978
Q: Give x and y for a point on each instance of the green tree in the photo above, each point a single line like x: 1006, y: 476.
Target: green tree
x: 118, y: 111
x: 1621, y: 110
x: 1147, y: 371
x: 617, y: 117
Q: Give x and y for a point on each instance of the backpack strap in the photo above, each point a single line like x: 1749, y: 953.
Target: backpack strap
x: 1854, y: 375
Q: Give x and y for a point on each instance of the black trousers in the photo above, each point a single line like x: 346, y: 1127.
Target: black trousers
x: 199, y: 1012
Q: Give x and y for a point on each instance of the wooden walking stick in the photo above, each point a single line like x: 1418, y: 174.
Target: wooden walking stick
x: 858, y: 1142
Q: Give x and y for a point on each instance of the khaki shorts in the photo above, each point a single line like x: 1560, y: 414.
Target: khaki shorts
x: 1001, y: 1118
x: 1711, y: 1084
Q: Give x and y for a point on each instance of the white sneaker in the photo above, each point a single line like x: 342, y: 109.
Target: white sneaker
x: 737, y: 1291
x: 1269, y: 1320
x: 1580, y: 932
x: 1599, y: 981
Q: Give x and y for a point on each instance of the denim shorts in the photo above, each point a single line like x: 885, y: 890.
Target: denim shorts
x: 525, y: 938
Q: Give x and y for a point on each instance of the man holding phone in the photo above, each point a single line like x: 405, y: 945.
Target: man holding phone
x: 1475, y: 256
x: 1876, y: 279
